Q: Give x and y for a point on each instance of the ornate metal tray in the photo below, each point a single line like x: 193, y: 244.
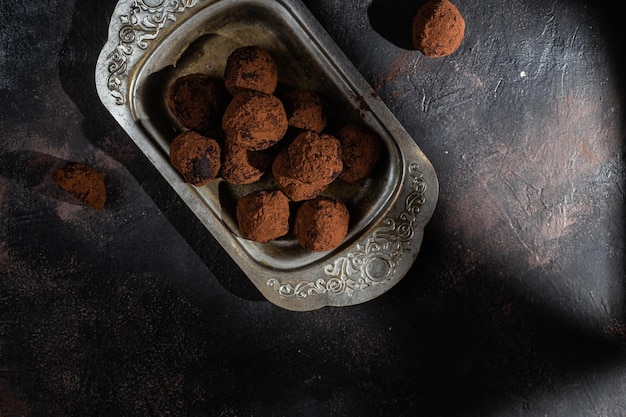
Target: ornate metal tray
x: 152, y: 41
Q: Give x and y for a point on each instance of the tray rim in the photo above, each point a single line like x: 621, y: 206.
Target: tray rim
x: 393, y: 244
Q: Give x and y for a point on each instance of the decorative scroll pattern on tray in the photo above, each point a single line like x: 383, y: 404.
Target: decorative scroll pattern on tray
x: 140, y: 26
x: 373, y: 260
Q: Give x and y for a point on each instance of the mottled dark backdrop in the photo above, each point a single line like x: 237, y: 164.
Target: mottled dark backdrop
x: 514, y: 307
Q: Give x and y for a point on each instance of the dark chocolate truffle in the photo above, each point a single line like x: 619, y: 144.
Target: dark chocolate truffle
x: 254, y: 120
x: 196, y: 157
x: 304, y: 110
x: 321, y: 224
x: 360, y: 150
x: 295, y: 189
x: 250, y: 67
x: 315, y: 159
x: 242, y: 166
x: 263, y: 215
x: 438, y: 28
x: 197, y: 102
x: 83, y: 182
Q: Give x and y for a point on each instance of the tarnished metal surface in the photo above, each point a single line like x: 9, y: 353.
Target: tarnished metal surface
x: 152, y: 42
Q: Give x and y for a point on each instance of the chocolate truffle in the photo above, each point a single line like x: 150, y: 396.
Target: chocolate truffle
x: 242, y: 166
x: 321, y: 224
x: 254, y: 120
x: 295, y: 189
x: 315, y: 159
x: 83, y: 182
x: 360, y: 150
x: 250, y: 67
x: 304, y: 110
x: 196, y: 157
x: 308, y: 165
x: 438, y: 28
x: 197, y: 102
x: 263, y: 215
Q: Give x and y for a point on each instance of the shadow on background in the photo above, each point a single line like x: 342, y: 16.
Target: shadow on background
x: 393, y: 20
x: 494, y: 341
x: 31, y: 168
x: 610, y: 26
x: 34, y: 170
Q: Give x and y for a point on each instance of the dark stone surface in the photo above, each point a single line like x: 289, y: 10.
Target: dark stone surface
x: 514, y: 307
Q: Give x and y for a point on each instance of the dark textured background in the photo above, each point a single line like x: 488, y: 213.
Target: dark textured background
x: 514, y: 307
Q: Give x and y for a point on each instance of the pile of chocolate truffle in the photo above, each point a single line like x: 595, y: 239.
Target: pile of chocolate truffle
x: 239, y: 129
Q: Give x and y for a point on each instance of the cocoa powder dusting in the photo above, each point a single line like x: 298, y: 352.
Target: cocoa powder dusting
x: 294, y: 188
x: 321, y: 224
x: 254, y: 120
x: 83, y: 182
x: 438, y: 28
x: 250, y: 67
x: 197, y: 102
x: 399, y: 66
x: 360, y: 150
x: 197, y: 158
x: 315, y: 159
x: 242, y: 166
x: 263, y: 215
x: 304, y: 110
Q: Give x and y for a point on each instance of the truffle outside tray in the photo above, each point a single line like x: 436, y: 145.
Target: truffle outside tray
x: 151, y: 42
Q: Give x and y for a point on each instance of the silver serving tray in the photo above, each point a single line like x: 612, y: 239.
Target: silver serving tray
x: 153, y: 41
